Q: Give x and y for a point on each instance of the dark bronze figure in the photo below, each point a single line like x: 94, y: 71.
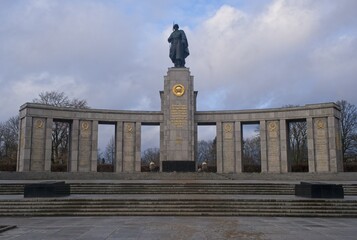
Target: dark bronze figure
x: 179, y: 47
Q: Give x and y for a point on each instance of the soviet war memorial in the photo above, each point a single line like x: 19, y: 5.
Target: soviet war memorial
x: 266, y: 171
x: 178, y: 121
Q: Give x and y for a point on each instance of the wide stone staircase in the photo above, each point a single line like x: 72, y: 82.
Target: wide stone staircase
x: 177, y: 188
x: 177, y: 198
x: 178, y: 207
x: 168, y: 188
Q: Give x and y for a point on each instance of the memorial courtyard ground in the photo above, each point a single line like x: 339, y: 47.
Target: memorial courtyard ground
x: 110, y: 228
x: 141, y: 221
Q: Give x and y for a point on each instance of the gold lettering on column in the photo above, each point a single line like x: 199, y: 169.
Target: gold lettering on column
x: 178, y: 114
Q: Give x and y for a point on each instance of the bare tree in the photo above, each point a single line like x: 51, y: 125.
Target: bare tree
x: 110, y: 151
x: 206, y: 151
x: 348, y: 128
x: 297, y: 145
x: 298, y: 140
x: 151, y: 155
x: 203, y: 151
x: 9, y: 140
x: 59, y: 99
x: 60, y: 133
x: 2, y: 140
x: 251, y: 151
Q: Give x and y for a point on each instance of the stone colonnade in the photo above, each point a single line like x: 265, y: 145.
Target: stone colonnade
x: 178, y: 121
x: 35, y: 138
x: 323, y: 136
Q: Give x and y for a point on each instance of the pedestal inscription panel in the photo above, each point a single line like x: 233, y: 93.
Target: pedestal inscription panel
x: 179, y: 115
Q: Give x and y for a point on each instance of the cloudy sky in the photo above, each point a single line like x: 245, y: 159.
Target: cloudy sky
x: 114, y: 53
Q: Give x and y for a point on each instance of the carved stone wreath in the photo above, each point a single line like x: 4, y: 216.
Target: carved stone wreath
x: 272, y: 126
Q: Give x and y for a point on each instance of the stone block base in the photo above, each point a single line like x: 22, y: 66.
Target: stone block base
x: 319, y: 190
x: 47, y: 189
x: 178, y: 166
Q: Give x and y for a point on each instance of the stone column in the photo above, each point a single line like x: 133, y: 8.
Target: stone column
x: 228, y: 148
x: 163, y: 155
x: 195, y: 143
x: 283, y: 147
x: 85, y: 146
x: 263, y: 146
x: 118, y: 163
x: 94, y: 147
x: 138, y: 147
x: 238, y: 146
x: 333, y: 139
x: 38, y: 145
x: 24, y: 153
x: 74, y: 144
x: 310, y: 145
x: 129, y: 148
x: 178, y: 106
x: 219, y: 145
x: 48, y: 144
x: 336, y: 164
x: 321, y: 145
x: 273, y: 143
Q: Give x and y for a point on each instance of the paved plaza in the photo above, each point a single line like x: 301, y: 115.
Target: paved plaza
x: 110, y: 228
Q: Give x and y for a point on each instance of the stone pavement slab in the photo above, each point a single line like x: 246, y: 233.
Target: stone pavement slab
x: 138, y: 228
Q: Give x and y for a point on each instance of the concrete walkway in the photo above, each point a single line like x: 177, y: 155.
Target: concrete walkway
x: 110, y: 228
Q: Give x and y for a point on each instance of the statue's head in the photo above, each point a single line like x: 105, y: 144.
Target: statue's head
x: 176, y: 26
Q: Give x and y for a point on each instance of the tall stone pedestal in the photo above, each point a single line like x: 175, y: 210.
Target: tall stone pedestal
x: 178, y: 130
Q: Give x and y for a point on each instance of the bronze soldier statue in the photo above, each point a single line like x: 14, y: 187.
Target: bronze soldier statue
x: 179, y: 46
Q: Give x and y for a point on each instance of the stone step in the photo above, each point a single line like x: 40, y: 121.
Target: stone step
x: 207, y: 214
x: 169, y: 188
x: 192, y: 207
x: 155, y: 200
x: 138, y: 207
